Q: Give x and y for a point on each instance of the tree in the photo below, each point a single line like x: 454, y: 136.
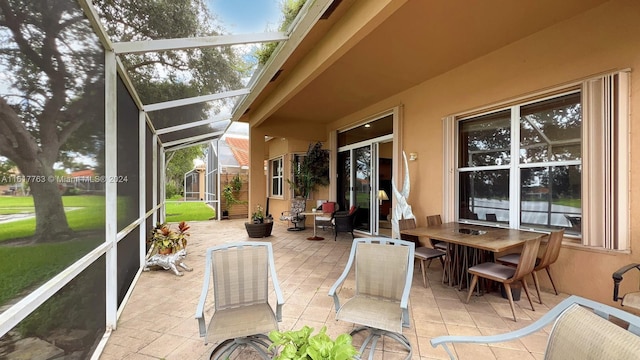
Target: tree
x: 54, y: 64
x: 178, y: 163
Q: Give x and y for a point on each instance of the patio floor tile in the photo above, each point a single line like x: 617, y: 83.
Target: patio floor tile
x: 158, y: 319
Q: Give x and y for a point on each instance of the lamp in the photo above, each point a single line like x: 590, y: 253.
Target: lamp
x: 382, y: 195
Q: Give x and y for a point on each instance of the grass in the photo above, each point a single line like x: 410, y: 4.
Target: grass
x: 90, y: 216
x: 188, y: 211
x: 27, y: 266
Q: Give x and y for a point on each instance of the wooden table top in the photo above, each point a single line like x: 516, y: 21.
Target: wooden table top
x: 476, y: 236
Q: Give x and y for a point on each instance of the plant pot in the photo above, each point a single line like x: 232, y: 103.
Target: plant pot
x: 165, y: 251
x: 515, y: 291
x: 259, y: 230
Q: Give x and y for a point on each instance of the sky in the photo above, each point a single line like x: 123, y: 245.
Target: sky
x: 247, y: 16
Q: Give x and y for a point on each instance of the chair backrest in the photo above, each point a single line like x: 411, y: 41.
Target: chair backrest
x: 527, y: 259
x: 240, y: 274
x: 384, y: 269
x: 434, y: 220
x: 406, y: 224
x: 553, y: 249
x: 581, y: 334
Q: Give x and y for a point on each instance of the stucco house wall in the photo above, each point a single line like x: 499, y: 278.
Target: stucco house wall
x: 604, y: 39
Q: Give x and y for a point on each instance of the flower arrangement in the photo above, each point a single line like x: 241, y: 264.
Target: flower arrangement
x: 258, y: 215
x: 165, y: 239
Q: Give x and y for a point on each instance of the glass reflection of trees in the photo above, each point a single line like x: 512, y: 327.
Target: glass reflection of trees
x: 550, y: 135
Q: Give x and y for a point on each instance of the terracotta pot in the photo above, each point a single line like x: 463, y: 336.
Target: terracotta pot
x: 165, y: 251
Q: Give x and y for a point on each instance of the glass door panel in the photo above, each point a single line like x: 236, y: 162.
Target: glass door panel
x: 344, y: 180
x: 362, y: 187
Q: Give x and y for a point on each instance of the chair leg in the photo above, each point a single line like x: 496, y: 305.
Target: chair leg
x: 474, y: 281
x: 526, y: 291
x: 507, y: 289
x: 429, y: 263
x: 537, y: 284
x: 442, y: 261
x: 548, y: 268
x: 424, y: 273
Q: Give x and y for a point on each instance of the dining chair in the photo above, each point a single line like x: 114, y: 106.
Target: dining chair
x: 433, y: 220
x: 549, y: 257
x: 422, y: 253
x: 242, y: 314
x: 508, y: 275
x: 380, y: 305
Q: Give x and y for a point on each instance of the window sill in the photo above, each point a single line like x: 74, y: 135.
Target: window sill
x: 575, y: 244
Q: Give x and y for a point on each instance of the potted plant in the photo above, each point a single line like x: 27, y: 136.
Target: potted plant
x: 166, y: 240
x: 299, y: 344
x: 260, y: 226
x: 311, y: 172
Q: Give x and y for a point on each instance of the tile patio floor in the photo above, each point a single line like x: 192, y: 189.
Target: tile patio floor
x: 158, y: 320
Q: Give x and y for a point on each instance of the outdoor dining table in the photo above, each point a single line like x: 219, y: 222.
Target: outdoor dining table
x: 466, y: 239
x: 315, y: 214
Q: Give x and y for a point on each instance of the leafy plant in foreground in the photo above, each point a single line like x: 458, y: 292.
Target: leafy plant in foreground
x: 300, y: 345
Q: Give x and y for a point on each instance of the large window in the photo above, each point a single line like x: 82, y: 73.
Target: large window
x: 557, y: 160
x: 276, y: 172
x: 536, y: 145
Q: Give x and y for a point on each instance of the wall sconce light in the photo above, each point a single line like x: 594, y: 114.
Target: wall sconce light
x: 382, y: 195
x: 413, y: 156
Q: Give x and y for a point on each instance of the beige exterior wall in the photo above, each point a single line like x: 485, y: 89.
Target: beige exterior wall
x: 287, y: 147
x: 602, y: 40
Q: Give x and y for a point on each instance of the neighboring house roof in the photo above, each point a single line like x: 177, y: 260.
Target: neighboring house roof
x: 239, y: 148
x: 79, y: 173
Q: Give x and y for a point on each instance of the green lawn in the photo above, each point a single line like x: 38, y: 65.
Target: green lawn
x: 188, y: 211
x: 28, y: 266
x: 90, y: 215
x: 25, y: 267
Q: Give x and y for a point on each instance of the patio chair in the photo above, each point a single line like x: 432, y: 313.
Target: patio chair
x: 422, y: 253
x: 549, y: 257
x: 328, y: 210
x: 294, y: 215
x: 383, y: 276
x: 631, y: 299
x: 345, y: 222
x: 581, y: 331
x: 575, y: 221
x: 508, y: 274
x: 242, y: 314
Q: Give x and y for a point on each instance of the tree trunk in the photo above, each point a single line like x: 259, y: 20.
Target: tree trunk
x: 51, y: 220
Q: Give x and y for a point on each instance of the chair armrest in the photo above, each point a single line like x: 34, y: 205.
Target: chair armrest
x: 617, y: 278
x: 345, y: 273
x: 203, y: 296
x: 598, y: 308
x: 276, y: 284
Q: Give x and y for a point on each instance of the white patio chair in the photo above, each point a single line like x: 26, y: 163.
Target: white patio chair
x: 581, y: 330
x: 383, y: 276
x: 241, y: 296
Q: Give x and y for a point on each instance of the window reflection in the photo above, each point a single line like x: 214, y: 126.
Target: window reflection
x: 483, y: 194
x: 486, y: 140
